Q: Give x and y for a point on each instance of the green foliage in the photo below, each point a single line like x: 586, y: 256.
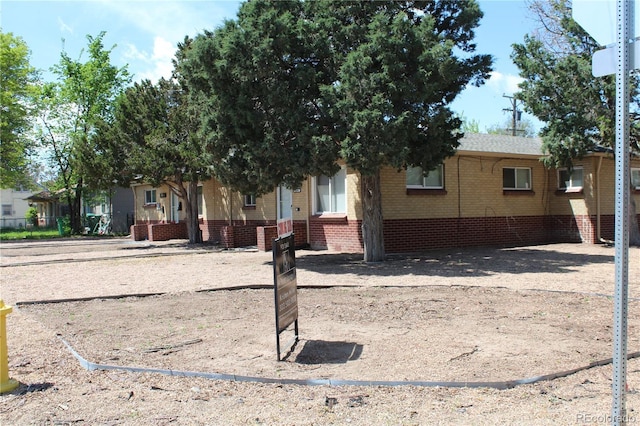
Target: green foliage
x: 524, y: 128
x: 70, y: 112
x: 290, y: 87
x: 153, y: 138
x: 559, y: 88
x: 469, y: 125
x: 17, y: 79
x: 32, y: 216
x: 30, y: 234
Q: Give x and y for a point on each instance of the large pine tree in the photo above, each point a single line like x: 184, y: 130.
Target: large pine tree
x: 291, y: 87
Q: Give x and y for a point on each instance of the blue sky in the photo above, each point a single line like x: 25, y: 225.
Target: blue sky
x: 146, y: 34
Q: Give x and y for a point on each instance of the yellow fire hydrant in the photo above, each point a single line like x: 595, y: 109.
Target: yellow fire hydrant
x: 6, y: 384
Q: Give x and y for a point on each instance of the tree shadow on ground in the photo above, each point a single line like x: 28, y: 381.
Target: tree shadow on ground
x: 472, y: 262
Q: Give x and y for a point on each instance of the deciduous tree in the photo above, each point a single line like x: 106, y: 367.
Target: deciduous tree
x: 71, y: 108
x: 17, y: 80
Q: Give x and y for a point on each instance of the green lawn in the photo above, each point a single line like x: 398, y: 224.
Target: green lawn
x: 36, y: 234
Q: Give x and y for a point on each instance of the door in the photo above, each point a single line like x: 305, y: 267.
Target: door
x: 285, y: 202
x: 175, y: 208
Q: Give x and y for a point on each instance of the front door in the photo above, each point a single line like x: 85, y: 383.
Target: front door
x: 175, y: 208
x: 285, y: 202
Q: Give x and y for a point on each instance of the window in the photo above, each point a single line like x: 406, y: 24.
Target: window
x: 150, y: 196
x: 433, y: 180
x: 250, y: 200
x: 200, y: 200
x: 331, y: 193
x: 518, y: 178
x: 7, y: 210
x: 570, y: 182
x: 635, y: 179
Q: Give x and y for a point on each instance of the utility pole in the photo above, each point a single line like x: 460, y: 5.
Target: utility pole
x: 515, y: 114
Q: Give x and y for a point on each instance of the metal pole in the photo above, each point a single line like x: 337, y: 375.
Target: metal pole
x: 514, y: 131
x: 623, y: 38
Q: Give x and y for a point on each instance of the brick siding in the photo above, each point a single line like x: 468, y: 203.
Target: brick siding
x: 154, y: 231
x: 266, y: 235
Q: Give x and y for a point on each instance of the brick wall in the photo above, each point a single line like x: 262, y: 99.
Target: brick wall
x: 582, y: 228
x: 154, y: 231
x: 337, y: 233
x: 406, y: 235
x: 266, y: 235
x: 140, y: 232
x: 168, y: 231
x: 238, y: 236
x: 422, y: 234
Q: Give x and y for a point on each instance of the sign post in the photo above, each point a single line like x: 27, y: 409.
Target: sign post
x: 623, y: 55
x: 285, y: 288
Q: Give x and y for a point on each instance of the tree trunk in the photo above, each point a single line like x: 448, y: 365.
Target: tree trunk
x: 372, y: 225
x: 193, y: 224
x: 189, y: 199
x: 75, y: 210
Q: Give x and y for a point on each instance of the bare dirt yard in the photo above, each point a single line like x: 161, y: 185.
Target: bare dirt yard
x: 115, y: 332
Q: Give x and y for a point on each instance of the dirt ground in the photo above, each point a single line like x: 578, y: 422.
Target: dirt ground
x: 166, y: 333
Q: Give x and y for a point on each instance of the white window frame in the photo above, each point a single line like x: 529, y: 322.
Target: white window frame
x: 572, y: 187
x: 249, y: 200
x: 529, y: 183
x: 9, y: 211
x: 332, y: 209
x: 635, y: 180
x: 150, y: 197
x: 425, y: 185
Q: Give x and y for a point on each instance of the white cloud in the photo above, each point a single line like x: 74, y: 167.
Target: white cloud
x: 173, y: 20
x: 504, y: 83
x: 151, y: 31
x: 64, y: 28
x: 157, y: 64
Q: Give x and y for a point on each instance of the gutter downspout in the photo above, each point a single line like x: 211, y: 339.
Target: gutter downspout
x: 309, y: 209
x: 598, y: 235
x: 230, y: 206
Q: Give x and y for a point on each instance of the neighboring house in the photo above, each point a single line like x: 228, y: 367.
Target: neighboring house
x: 49, y: 208
x: 14, y: 206
x: 493, y: 191
x: 116, y: 203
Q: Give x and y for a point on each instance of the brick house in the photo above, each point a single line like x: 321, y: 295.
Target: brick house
x: 493, y: 191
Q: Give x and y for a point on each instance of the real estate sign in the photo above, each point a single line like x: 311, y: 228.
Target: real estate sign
x: 285, y: 286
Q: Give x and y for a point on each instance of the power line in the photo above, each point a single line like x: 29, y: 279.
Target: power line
x: 516, y: 114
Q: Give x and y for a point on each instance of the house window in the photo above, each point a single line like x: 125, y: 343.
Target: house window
x: 200, y: 200
x: 7, y: 210
x: 570, y: 182
x: 518, y: 178
x: 331, y: 193
x: 250, y: 200
x: 433, y: 180
x: 150, y: 196
x: 635, y: 179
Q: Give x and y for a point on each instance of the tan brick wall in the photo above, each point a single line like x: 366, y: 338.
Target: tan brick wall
x: 150, y: 213
x: 472, y: 188
x: 586, y: 203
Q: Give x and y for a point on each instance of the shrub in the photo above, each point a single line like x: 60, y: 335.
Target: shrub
x: 32, y: 216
